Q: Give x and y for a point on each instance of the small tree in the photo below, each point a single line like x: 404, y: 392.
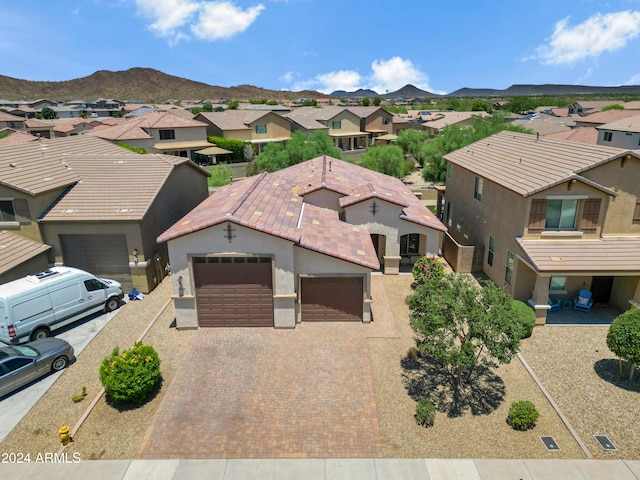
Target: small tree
x: 207, y: 107
x: 387, y: 159
x: 463, y: 325
x: 48, y: 113
x: 427, y: 269
x: 623, y: 338
x: 377, y: 101
x: 365, y: 102
x: 233, y: 105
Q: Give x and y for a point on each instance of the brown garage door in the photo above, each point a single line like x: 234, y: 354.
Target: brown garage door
x: 234, y: 292
x: 331, y: 299
x: 103, y: 255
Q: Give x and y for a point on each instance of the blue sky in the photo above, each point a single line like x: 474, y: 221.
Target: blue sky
x: 324, y: 45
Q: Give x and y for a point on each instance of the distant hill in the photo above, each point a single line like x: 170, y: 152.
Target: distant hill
x: 547, y: 89
x: 358, y: 93
x: 408, y: 91
x: 144, y: 84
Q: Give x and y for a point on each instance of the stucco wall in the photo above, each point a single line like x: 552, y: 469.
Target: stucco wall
x: 626, y: 140
x: 37, y: 205
x: 277, y: 127
x: 623, y: 290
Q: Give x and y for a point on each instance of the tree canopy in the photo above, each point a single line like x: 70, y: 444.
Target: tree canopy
x: 48, y: 113
x: 623, y: 337
x: 276, y: 156
x: 387, y: 159
x: 463, y: 325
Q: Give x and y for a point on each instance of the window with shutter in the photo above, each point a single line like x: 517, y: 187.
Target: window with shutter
x: 22, y: 210
x: 636, y: 212
x: 538, y: 215
x: 590, y: 214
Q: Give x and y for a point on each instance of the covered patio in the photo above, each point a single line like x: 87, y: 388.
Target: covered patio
x: 599, y: 315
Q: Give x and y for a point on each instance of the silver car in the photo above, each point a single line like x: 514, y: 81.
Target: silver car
x: 22, y: 364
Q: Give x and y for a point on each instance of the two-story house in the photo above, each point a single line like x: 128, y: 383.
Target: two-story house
x: 340, y: 123
x: 376, y: 121
x: 548, y: 216
x: 159, y: 132
x: 624, y: 133
x: 257, y: 127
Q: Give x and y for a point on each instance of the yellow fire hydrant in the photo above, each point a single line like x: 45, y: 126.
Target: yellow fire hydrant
x: 65, y: 435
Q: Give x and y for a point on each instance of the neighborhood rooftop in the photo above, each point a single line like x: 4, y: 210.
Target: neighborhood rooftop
x: 527, y: 164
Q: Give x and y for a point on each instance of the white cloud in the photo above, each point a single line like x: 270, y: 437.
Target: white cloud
x: 218, y: 20
x: 386, y: 76
x: 213, y: 20
x: 635, y: 80
x: 598, y: 34
x: 288, y: 77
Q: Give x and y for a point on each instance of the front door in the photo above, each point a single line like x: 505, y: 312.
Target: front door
x: 601, y: 289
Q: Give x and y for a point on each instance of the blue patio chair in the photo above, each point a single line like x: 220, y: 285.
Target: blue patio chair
x: 583, y: 301
x: 554, y: 303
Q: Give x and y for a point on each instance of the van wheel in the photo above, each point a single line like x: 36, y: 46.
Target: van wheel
x: 112, y: 304
x: 59, y: 364
x: 39, y: 334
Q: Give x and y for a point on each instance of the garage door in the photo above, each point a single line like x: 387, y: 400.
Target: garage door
x: 234, y: 292
x: 331, y: 299
x: 103, y: 255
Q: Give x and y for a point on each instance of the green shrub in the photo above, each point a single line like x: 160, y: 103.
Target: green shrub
x: 235, y: 146
x: 525, y: 316
x: 522, y: 415
x: 129, y: 377
x: 425, y: 413
x: 139, y: 150
x: 427, y: 269
x: 220, y: 175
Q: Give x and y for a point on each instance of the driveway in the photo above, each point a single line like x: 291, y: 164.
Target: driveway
x: 266, y: 393
x: 16, y: 405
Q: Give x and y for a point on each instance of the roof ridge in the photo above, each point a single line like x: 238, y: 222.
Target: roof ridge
x: 324, y: 169
x: 234, y: 208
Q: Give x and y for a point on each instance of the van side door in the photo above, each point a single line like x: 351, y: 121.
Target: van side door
x: 95, y: 292
x: 68, y: 300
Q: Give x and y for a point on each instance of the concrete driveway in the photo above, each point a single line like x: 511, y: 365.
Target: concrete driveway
x: 16, y: 405
x: 266, y: 393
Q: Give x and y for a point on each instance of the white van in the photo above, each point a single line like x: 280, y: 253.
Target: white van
x: 33, y: 306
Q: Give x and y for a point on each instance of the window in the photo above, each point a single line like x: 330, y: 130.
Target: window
x: 336, y: 125
x: 93, y: 284
x: 261, y: 129
x: 409, y: 244
x: 561, y: 214
x: 508, y: 273
x: 448, y: 214
x: 449, y: 170
x: 386, y: 120
x: 636, y: 212
x: 7, y: 211
x: 558, y: 282
x: 477, y: 193
x: 492, y: 248
x: 608, y: 136
x: 167, y: 134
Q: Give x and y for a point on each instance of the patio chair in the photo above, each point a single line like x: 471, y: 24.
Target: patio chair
x: 554, y: 303
x: 583, y: 301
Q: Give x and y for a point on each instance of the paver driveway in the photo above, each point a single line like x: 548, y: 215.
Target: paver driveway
x: 266, y: 393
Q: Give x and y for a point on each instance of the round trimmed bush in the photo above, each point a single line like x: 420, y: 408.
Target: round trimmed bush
x: 129, y: 377
x: 427, y: 269
x: 425, y: 413
x: 523, y: 415
x: 525, y: 316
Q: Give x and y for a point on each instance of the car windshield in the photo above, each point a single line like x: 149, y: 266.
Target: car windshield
x: 26, y: 351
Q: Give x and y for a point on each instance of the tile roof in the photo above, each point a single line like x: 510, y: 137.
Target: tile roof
x: 443, y: 119
x: 311, y: 118
x: 134, y: 129
x: 17, y: 137
x: 608, y: 116
x: 603, y: 255
x: 269, y: 204
x: 629, y: 124
x: 526, y: 164
x: 580, y: 134
x: 545, y: 124
x: 7, y: 117
x: 16, y: 249
x: 234, y: 119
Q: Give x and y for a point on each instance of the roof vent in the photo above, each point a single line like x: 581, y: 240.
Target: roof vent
x: 12, y: 165
x: 70, y: 210
x: 37, y: 277
x: 124, y: 210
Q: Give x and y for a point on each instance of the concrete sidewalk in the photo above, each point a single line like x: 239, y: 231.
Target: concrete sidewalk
x: 325, y: 469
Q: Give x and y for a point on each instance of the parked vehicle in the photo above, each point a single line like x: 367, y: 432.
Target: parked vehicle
x: 33, y: 306
x: 22, y: 364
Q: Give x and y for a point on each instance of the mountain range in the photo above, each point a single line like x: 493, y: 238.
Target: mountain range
x: 149, y: 85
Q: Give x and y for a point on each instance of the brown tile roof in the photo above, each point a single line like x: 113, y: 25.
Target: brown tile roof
x: 440, y: 120
x: 134, y: 129
x: 16, y: 249
x: 33, y: 123
x: 7, y: 117
x: 629, y: 124
x: 234, y: 119
x: 113, y: 187
x: 580, y: 134
x: 364, y: 112
x: 600, y: 118
x: 526, y: 165
x: 17, y: 137
x: 311, y: 118
x: 603, y: 255
x: 545, y: 124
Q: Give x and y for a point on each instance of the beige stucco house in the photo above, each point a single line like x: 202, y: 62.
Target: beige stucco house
x: 295, y: 245
x: 547, y: 217
x: 340, y: 123
x: 624, y: 133
x: 94, y: 205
